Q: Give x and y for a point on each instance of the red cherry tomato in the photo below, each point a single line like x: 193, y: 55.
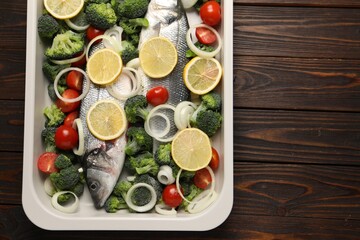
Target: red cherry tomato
x: 70, y: 118
x: 92, y: 32
x: 66, y: 138
x: 171, y: 196
x: 202, y: 178
x: 79, y: 63
x: 205, y: 35
x: 210, y: 13
x: 46, y: 162
x: 214, y: 162
x: 74, y: 80
x: 157, y: 95
x: 67, y: 106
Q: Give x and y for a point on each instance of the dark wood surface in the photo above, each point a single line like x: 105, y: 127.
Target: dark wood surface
x: 296, y: 124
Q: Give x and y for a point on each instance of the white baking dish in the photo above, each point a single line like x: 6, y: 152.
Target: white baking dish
x: 36, y: 202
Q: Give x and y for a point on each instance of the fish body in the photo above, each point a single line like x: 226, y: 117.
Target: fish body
x: 167, y: 19
x: 103, y: 161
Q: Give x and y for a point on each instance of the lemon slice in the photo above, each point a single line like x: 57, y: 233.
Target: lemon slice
x: 63, y: 9
x: 104, y: 66
x: 191, y: 149
x: 201, y: 75
x: 106, y: 120
x: 158, y: 57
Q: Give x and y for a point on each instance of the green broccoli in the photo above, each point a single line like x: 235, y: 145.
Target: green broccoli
x: 66, y: 45
x: 163, y: 157
x: 101, y: 15
x: 51, y: 91
x: 136, y: 108
x: 97, y: 1
x: 141, y: 196
x: 208, y: 121
x: 62, y: 162
x: 121, y: 188
x: 190, y: 193
x: 130, y: 52
x: 47, y: 26
x: 66, y: 179
x: 138, y: 140
x: 133, y: 26
x: 134, y: 39
x: 142, y: 163
x: 54, y: 116
x: 115, y: 203
x: 48, y: 136
x: 51, y: 70
x: 146, y: 178
x: 78, y: 189
x: 132, y: 8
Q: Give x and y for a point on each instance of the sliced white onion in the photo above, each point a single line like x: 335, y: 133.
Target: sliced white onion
x: 135, y: 84
x: 113, y: 44
x: 70, y: 60
x: 49, y: 187
x: 76, y: 27
x: 146, y: 207
x: 130, y: 178
x: 65, y: 209
x: 183, y: 112
x: 115, y: 33
x: 188, y: 3
x: 153, y: 113
x: 165, y: 175
x: 164, y: 209
x: 202, y: 201
x: 196, y: 50
x: 211, y: 189
x: 134, y: 63
x: 77, y: 125
x: 84, y: 91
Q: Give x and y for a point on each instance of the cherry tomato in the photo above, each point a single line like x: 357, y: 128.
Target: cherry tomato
x: 210, y: 13
x: 214, y: 162
x: 46, y: 162
x: 157, y: 95
x: 171, y: 196
x: 202, y: 178
x: 67, y: 106
x: 92, y: 32
x: 74, y: 80
x: 70, y: 118
x: 205, y: 35
x: 79, y: 63
x: 66, y: 138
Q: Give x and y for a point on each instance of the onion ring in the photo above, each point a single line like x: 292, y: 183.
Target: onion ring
x: 70, y: 60
x: 84, y: 92
x: 146, y: 207
x: 165, y: 175
x: 76, y: 27
x: 164, y: 209
x: 70, y: 209
x: 114, y: 33
x: 183, y: 112
x: 80, y: 150
x: 114, y: 45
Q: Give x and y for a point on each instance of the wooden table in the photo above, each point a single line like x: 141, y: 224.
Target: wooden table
x: 296, y: 124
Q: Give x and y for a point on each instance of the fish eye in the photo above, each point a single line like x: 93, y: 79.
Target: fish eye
x: 93, y: 186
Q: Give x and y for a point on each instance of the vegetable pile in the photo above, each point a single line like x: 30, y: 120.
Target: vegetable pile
x: 155, y: 181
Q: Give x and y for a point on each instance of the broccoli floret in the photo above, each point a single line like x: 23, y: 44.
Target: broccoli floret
x: 202, y: 47
x: 133, y: 26
x: 209, y: 122
x: 146, y: 178
x: 54, y: 116
x: 190, y: 193
x: 132, y: 162
x: 48, y: 136
x: 97, y: 1
x: 65, y: 45
x: 62, y: 162
x: 50, y: 71
x: 142, y: 163
x: 121, y: 188
x: 115, y: 203
x: 132, y: 8
x: 66, y: 179
x: 47, y: 26
x: 163, y: 157
x: 101, y: 15
x: 134, y: 39
x: 130, y: 52
x: 51, y: 91
x: 141, y: 196
x: 79, y: 189
x: 138, y: 140
x: 136, y: 108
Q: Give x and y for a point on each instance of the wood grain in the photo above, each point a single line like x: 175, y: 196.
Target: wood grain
x: 308, y: 3
x: 297, y: 137
x: 297, y: 32
x: 296, y: 83
x: 10, y: 177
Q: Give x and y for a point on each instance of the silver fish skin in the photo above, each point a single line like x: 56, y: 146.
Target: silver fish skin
x: 167, y: 19
x: 102, y: 161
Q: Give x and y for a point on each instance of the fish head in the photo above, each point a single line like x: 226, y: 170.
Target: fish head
x: 102, y: 171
